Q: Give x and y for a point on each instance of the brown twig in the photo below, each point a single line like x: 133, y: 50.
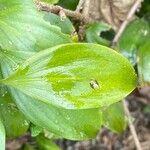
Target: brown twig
x: 62, y: 15
x: 131, y: 126
x: 80, y: 5
x: 56, y: 10
x: 86, y: 7
x: 126, y: 21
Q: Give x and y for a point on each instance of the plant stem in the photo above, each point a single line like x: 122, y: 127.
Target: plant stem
x: 131, y: 126
x: 56, y: 10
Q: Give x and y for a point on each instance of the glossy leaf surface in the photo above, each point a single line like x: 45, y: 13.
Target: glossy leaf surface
x: 67, y: 123
x: 75, y: 76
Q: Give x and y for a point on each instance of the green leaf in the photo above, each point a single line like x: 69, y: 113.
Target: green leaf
x: 54, y: 86
x: 75, y: 76
x: 67, y: 123
x: 145, y: 8
x: 51, y: 1
x: 93, y: 33
x: 65, y: 25
x: 144, y: 62
x: 27, y: 147
x: 23, y: 32
x: 69, y: 4
x: 35, y: 130
x: 45, y: 144
x: 2, y: 136
x: 133, y: 36
x: 14, y: 121
x: 114, y: 118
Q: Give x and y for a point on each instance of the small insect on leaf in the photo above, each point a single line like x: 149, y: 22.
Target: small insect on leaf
x: 94, y: 84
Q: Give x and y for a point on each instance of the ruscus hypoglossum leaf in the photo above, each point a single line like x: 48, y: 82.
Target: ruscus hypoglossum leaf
x: 75, y: 76
x: 23, y: 32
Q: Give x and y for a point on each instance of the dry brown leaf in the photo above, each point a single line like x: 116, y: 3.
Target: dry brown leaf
x: 112, y: 12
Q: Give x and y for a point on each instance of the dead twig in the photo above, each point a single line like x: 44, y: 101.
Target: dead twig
x: 56, y: 10
x: 80, y: 5
x: 62, y: 15
x: 131, y: 126
x: 86, y: 8
x: 126, y: 21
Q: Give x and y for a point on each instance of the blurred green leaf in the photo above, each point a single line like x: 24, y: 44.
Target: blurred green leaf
x: 75, y: 76
x: 114, y: 118
x: 144, y: 62
x: 65, y: 25
x: 69, y: 4
x: 145, y: 8
x: 35, y: 130
x: 147, y: 109
x: 2, y: 136
x: 93, y: 33
x: 45, y: 144
x: 27, y: 147
x: 133, y: 36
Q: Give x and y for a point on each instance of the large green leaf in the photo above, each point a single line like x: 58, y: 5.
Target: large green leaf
x: 67, y: 123
x: 2, y: 136
x: 144, y: 62
x: 72, y: 76
x: 75, y: 76
x: 133, y: 36
x: 23, y: 32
